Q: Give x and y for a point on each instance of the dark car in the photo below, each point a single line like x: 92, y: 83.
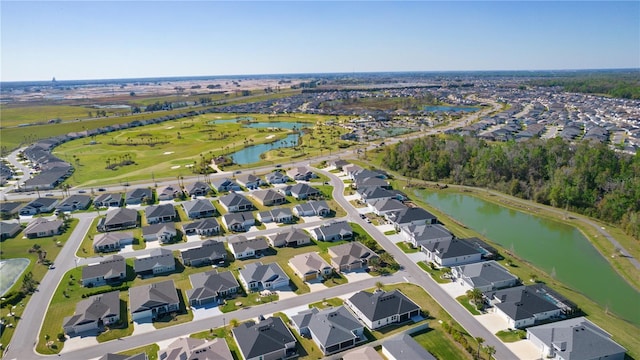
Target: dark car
x: 102, y: 189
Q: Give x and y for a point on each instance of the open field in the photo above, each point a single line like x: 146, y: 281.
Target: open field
x: 166, y: 150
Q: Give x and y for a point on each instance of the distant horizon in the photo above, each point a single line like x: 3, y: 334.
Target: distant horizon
x: 143, y: 39
x: 309, y: 74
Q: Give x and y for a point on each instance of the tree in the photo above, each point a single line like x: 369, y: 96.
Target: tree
x: 379, y: 285
x: 234, y: 323
x: 480, y: 341
x: 475, y: 296
x: 533, y: 277
x: 490, y: 350
x: 446, y: 272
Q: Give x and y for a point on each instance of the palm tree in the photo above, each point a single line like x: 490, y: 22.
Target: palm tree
x: 490, y: 350
x: 234, y: 323
x: 379, y: 285
x: 475, y: 295
x: 479, y: 340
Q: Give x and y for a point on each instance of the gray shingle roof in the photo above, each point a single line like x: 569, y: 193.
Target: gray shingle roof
x: 209, y: 284
x: 159, y: 211
x: 485, y: 273
x: 196, y: 349
x: 403, y: 347
x: 262, y: 273
x: 329, y: 326
x: 94, y: 308
x: 412, y: 214
x: 522, y: 303
x: 381, y: 305
x: 120, y: 216
x: 268, y: 336
x: 145, y: 297
x: 162, y: 257
x: 109, y: 267
x: 451, y: 248
x: 209, y: 249
x: 579, y: 338
x: 198, y: 205
x: 241, y: 243
x: 234, y: 199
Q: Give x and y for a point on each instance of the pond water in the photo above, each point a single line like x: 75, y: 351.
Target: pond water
x: 10, y: 272
x: 556, y: 248
x: 251, y: 154
x: 446, y: 108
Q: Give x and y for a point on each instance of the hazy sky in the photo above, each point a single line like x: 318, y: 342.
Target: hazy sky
x: 122, y: 39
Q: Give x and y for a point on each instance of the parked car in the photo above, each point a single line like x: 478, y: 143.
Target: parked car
x: 48, y: 194
x: 102, y: 189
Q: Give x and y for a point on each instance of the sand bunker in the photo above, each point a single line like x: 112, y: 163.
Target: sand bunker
x: 270, y: 137
x: 167, y: 153
x: 175, y: 167
x: 169, y: 127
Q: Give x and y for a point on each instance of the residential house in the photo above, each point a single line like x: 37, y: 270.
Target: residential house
x: 249, y: 181
x: 363, y: 353
x: 309, y: 266
x: 158, y: 261
x: 277, y: 177
x: 39, y: 206
x: 204, y: 227
x: 199, y: 208
x: 371, y: 182
x: 138, y: 196
x: 235, y: 203
x: 411, y: 216
x: 301, y: 173
x: 118, y: 219
x: 241, y: 247
x: 10, y: 208
x: 382, y: 308
x: 269, y: 197
x: 338, y: 164
x: 333, y: 231
x: 108, y: 200
x: 351, y: 169
x: 208, y: 253
x: 277, y: 215
x: 225, y: 184
x: 238, y: 221
x: 9, y: 229
x: 289, y: 237
x: 112, y: 269
x: 211, y: 286
x: 256, y: 277
x: 301, y: 191
x: 356, y: 175
x: 93, y: 313
x: 169, y: 192
x: 485, y: 276
x: 451, y: 252
x: 371, y: 194
x: 74, y: 202
x: 160, y: 213
x: 424, y: 234
x: 350, y: 256
x: 384, y: 206
x: 523, y: 306
x: 41, y: 227
x: 574, y: 339
x: 312, y: 208
x: 153, y: 300
x: 188, y: 348
x: 197, y: 188
x: 112, y: 241
x: 161, y: 232
x: 332, y: 329
x: 404, y: 347
x: 269, y: 339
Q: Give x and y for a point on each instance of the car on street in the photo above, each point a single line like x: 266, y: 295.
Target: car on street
x: 48, y: 194
x: 82, y: 191
x: 363, y: 216
x: 102, y: 189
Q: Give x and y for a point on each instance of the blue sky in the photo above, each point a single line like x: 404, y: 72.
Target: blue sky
x: 123, y: 39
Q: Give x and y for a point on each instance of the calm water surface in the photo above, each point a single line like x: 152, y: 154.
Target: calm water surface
x: 554, y: 247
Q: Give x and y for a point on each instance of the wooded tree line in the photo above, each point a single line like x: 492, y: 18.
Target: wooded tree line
x: 626, y: 87
x: 587, y: 177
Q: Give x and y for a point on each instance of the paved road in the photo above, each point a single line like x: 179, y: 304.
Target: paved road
x: 419, y: 277
x: 26, y: 172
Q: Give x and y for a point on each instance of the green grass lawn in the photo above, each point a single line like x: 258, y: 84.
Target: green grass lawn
x: 390, y: 232
x: 511, y: 335
x: 436, y: 274
x: 151, y: 350
x: 404, y: 246
x: 439, y: 345
x: 464, y: 300
x: 244, y: 300
x: 333, y: 302
x: 18, y: 247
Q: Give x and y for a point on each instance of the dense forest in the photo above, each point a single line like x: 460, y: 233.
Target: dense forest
x: 587, y: 178
x: 625, y: 85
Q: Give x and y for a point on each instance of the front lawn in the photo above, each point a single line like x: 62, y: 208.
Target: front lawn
x: 333, y: 302
x: 406, y: 247
x: 511, y: 335
x: 436, y: 274
x: 464, y: 300
x: 151, y: 350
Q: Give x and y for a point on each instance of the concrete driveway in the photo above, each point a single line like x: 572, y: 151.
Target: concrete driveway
x: 79, y: 342
x: 356, y: 275
x: 143, y: 326
x: 525, y: 350
x: 203, y: 312
x: 493, y: 322
x: 454, y: 289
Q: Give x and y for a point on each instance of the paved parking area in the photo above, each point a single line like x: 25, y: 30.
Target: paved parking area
x: 454, y: 289
x: 353, y: 276
x: 142, y: 326
x: 203, y: 312
x: 79, y: 342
